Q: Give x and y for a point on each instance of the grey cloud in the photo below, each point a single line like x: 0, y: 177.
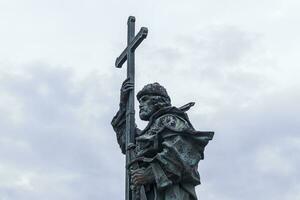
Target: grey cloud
x: 254, y: 152
x: 72, y: 152
x: 64, y: 132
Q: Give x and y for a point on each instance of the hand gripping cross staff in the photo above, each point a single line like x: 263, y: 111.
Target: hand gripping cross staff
x: 128, y: 54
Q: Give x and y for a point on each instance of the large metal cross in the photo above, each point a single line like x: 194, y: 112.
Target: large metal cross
x: 128, y: 54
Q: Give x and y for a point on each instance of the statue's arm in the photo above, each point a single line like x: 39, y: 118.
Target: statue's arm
x: 119, y: 120
x: 119, y: 125
x: 174, y: 164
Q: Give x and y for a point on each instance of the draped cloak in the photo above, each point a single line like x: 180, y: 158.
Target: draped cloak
x: 172, y: 148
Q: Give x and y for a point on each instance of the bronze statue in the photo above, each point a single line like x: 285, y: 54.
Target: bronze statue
x: 161, y: 160
x: 167, y: 150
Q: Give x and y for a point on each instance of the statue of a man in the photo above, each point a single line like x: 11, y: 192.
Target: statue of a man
x: 168, y: 150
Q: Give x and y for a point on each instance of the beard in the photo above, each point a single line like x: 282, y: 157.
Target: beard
x: 144, y: 115
x: 146, y: 112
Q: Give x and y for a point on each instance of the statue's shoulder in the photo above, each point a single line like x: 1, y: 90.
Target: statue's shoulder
x: 173, y: 122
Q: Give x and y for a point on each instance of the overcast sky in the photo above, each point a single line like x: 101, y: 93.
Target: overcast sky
x: 238, y: 60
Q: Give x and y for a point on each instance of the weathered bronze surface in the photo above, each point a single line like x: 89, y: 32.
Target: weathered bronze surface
x: 161, y: 160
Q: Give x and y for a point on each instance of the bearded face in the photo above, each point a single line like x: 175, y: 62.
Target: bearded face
x: 147, y: 107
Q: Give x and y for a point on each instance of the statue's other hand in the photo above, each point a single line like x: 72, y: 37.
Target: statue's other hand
x: 127, y: 86
x: 141, y: 176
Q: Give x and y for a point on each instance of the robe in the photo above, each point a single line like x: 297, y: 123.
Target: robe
x: 171, y: 148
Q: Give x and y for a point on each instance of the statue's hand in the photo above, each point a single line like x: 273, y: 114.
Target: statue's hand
x: 141, y: 176
x: 127, y: 86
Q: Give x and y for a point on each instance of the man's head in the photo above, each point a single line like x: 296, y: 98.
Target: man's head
x: 152, y: 98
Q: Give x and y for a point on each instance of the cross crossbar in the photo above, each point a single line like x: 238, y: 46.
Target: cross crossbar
x: 142, y: 34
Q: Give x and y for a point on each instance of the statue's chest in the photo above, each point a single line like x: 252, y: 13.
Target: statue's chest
x: 148, y: 143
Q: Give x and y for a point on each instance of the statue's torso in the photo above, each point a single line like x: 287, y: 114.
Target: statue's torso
x: 149, y: 141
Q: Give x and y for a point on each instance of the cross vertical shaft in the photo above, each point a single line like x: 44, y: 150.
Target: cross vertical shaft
x: 130, y: 114
x: 133, y: 42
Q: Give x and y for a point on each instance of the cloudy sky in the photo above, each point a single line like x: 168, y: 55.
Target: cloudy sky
x: 238, y: 60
